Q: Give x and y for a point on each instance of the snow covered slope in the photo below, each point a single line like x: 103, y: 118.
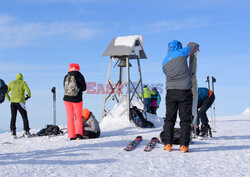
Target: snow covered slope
x: 226, y: 154
x: 246, y: 112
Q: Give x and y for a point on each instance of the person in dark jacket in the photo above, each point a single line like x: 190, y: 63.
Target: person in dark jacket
x: 179, y: 96
x: 74, y: 84
x: 205, y: 99
x: 3, y: 90
x: 155, y: 100
x: 91, y: 127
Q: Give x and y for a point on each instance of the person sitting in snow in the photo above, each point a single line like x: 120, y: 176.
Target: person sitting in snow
x: 147, y: 97
x: 91, y: 127
x: 205, y: 99
x: 155, y: 100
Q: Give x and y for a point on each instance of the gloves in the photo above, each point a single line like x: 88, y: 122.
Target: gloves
x: 27, y: 97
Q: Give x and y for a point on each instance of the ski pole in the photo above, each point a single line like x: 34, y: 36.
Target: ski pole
x: 208, y: 82
x: 213, y: 81
x: 53, y: 90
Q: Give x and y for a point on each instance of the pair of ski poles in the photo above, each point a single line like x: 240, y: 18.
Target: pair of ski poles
x: 213, y: 105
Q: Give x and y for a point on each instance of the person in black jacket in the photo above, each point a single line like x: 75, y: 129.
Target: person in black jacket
x: 74, y: 84
x: 3, y: 90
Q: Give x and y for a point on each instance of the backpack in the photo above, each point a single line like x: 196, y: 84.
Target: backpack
x: 137, y: 118
x: 70, y: 86
x: 49, y: 130
x: 3, y: 90
x: 176, y: 138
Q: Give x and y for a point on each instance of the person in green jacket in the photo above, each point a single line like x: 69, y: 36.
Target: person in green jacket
x: 147, y: 97
x: 18, y: 88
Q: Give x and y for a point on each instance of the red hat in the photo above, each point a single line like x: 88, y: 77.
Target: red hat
x: 74, y: 65
x: 85, y: 113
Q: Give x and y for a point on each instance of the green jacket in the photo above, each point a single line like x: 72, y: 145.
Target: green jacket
x: 18, y: 88
x: 147, y: 92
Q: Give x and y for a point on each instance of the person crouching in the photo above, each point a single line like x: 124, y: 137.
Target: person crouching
x: 91, y: 127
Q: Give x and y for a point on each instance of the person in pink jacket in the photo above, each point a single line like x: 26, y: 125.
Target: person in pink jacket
x: 74, y: 84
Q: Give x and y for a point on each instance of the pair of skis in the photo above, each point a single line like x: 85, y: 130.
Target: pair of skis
x: 150, y: 145
x: 213, y: 106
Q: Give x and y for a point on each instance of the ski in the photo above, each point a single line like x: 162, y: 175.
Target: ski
x: 133, y: 143
x: 32, y: 135
x: 4, y: 143
x: 193, y: 69
x: 151, y: 144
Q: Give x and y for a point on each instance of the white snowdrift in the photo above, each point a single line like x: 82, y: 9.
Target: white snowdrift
x: 118, y: 117
x: 246, y: 112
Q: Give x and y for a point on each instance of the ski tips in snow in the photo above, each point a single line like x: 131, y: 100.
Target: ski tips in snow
x: 133, y: 143
x: 151, y: 144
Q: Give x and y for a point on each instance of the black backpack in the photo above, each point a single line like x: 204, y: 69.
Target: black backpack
x: 176, y: 138
x: 3, y: 90
x: 137, y: 118
x: 49, y: 130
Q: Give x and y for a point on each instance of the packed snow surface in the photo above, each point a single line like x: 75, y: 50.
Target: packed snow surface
x: 227, y: 153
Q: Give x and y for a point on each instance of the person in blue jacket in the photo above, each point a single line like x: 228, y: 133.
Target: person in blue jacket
x: 179, y: 96
x: 205, y: 99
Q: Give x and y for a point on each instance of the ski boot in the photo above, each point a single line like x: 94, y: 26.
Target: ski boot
x: 184, y: 148
x: 168, y: 147
x: 197, y: 130
x: 205, y: 132
x: 79, y: 137
x: 26, y: 134
x: 13, y: 134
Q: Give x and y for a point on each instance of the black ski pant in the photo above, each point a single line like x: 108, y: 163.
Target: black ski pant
x: 178, y: 100
x: 14, y: 107
x: 206, y: 104
x: 153, y: 110
x: 91, y: 134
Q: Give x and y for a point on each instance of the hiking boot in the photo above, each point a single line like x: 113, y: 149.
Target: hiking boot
x: 197, y: 130
x: 27, y: 134
x: 13, y: 134
x: 72, y: 139
x: 205, y: 131
x: 79, y: 137
x: 168, y: 147
x: 184, y: 148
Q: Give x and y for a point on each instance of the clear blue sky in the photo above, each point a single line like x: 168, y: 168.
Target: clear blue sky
x: 39, y: 38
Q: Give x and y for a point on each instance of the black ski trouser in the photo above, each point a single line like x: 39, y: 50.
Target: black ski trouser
x: 153, y: 110
x: 91, y: 134
x: 14, y: 107
x: 178, y: 100
x: 206, y: 104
